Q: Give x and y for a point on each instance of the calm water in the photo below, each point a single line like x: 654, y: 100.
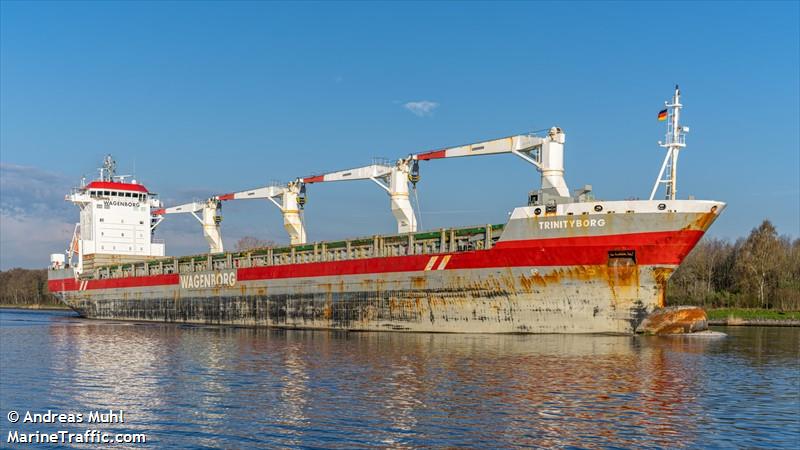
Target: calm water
x: 225, y: 387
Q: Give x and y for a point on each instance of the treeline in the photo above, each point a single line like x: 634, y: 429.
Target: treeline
x: 759, y: 271
x: 25, y: 287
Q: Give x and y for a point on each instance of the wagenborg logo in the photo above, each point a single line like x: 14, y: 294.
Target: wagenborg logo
x: 108, y: 203
x: 209, y: 280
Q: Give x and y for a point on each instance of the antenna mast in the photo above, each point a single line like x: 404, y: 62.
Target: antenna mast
x: 675, y: 141
x: 109, y: 169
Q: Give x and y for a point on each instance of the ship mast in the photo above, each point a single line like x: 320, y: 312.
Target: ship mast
x: 675, y: 140
x: 109, y: 169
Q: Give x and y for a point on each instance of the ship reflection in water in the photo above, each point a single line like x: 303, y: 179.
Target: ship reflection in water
x: 233, y: 387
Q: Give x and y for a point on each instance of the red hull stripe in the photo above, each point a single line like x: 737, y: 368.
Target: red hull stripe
x: 651, y: 248
x: 667, y: 248
x: 70, y: 284
x: 116, y: 186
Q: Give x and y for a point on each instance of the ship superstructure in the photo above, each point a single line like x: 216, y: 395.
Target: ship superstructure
x: 115, y: 222
x: 565, y: 262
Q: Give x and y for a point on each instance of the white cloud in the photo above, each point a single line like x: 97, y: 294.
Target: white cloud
x: 28, y: 241
x: 423, y: 108
x: 34, y: 218
x: 29, y: 191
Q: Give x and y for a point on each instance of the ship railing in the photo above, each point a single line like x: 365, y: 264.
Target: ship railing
x: 451, y: 240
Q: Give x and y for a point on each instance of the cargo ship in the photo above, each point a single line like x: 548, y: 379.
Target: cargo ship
x: 565, y: 262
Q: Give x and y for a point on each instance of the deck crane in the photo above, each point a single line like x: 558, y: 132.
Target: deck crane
x: 210, y: 219
x: 546, y: 153
x: 292, y: 200
x: 393, y: 178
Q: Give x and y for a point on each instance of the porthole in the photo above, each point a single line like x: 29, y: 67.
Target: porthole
x: 598, y: 208
x: 537, y: 211
x: 662, y: 206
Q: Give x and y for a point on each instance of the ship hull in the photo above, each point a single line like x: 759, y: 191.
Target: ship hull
x: 567, y: 299
x: 536, y: 279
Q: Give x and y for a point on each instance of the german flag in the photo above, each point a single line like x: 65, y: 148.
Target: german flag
x: 662, y: 115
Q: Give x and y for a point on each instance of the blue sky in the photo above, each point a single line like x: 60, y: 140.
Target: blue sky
x: 202, y: 98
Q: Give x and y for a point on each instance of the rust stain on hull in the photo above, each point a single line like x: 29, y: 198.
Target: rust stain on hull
x: 702, y: 222
x: 661, y: 276
x: 622, y: 280
x: 419, y: 282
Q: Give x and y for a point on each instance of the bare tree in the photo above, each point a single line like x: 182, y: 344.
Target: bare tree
x: 249, y: 242
x: 759, y: 262
x: 698, y: 279
x: 789, y: 284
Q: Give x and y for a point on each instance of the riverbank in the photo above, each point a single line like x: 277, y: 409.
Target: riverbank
x: 753, y: 317
x: 48, y: 307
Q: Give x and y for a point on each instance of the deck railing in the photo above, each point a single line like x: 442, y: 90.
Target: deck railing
x: 450, y: 240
